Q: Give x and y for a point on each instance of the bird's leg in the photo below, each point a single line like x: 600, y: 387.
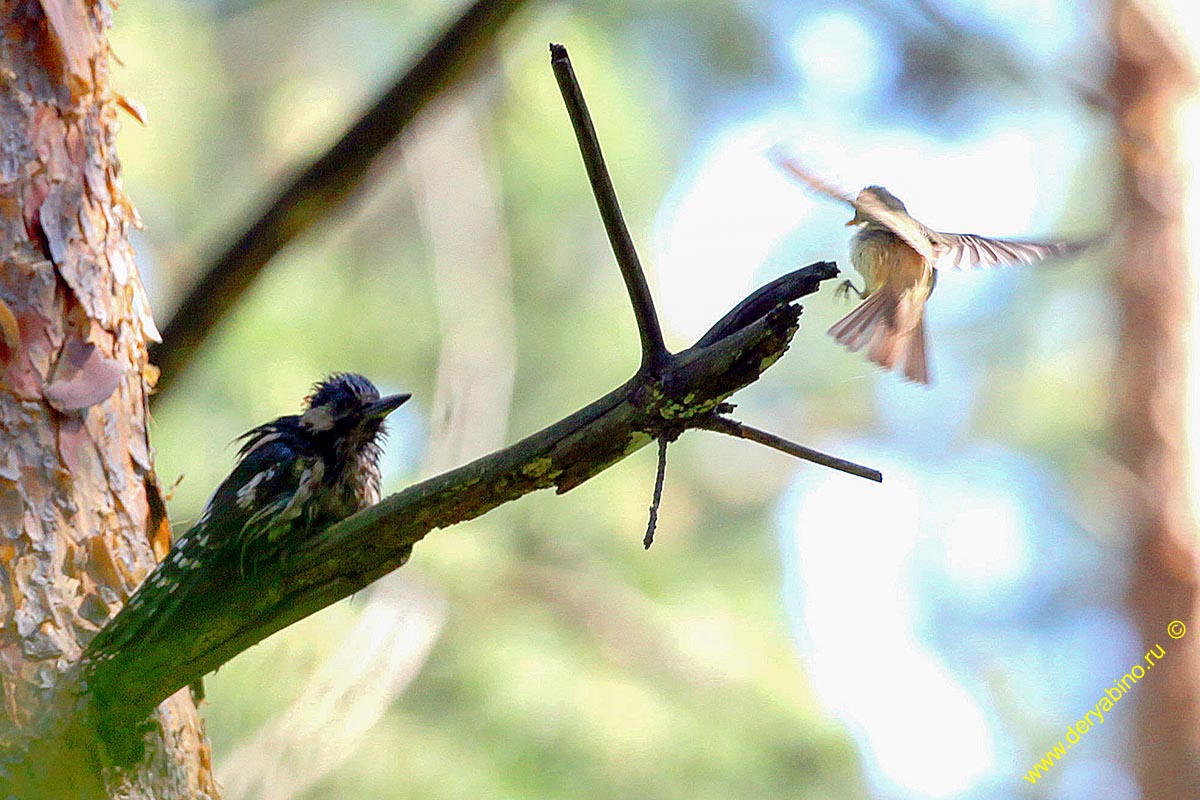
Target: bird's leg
x: 846, y: 287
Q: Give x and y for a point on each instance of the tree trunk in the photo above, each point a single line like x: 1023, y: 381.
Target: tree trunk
x: 81, y: 517
x: 1152, y: 77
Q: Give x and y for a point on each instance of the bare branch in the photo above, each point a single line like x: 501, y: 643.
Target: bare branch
x: 742, y: 431
x: 231, y: 614
x: 659, y: 478
x: 654, y: 351
x: 781, y: 290
x: 668, y: 394
x: 324, y: 184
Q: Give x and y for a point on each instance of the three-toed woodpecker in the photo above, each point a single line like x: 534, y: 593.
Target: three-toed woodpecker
x: 296, y: 474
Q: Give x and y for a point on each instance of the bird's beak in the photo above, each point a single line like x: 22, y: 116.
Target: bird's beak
x: 384, y: 406
x: 858, y: 220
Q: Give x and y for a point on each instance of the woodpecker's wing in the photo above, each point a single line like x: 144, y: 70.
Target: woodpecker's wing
x: 962, y: 250
x: 267, y: 482
x: 275, y: 518
x: 914, y: 234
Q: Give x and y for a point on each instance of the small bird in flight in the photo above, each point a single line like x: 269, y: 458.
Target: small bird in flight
x: 898, y: 258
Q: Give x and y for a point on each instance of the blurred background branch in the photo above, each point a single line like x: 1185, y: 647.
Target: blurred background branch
x: 669, y: 394
x: 952, y: 50
x: 319, y: 189
x: 988, y: 576
x: 231, y: 612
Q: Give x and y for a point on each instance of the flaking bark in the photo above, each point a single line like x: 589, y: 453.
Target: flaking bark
x: 80, y: 512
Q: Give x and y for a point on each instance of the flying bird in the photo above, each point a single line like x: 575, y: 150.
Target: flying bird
x: 898, y: 258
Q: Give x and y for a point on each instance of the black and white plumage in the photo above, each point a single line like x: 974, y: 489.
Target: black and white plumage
x: 295, y: 475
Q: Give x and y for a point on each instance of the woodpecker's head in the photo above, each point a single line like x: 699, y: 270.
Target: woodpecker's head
x: 347, y: 409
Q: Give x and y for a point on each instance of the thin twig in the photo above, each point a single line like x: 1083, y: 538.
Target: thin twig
x: 654, y: 351
x: 658, y: 487
x: 319, y: 188
x: 232, y: 612
x: 742, y: 431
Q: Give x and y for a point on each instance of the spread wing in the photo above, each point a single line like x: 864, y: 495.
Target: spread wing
x: 914, y: 234
x: 962, y: 250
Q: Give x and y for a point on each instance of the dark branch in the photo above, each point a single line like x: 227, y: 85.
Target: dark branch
x: 667, y: 395
x: 232, y: 614
x: 741, y: 431
x: 762, y: 300
x: 654, y: 351
x: 324, y: 184
x: 656, y: 501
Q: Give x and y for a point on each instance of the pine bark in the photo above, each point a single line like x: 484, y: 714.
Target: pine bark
x: 81, y: 517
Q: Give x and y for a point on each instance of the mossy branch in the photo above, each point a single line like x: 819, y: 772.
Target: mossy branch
x: 669, y: 394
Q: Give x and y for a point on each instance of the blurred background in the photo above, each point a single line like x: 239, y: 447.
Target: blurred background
x: 794, y: 632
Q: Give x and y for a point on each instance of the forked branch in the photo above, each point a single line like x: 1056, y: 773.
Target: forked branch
x: 669, y: 394
x: 654, y: 351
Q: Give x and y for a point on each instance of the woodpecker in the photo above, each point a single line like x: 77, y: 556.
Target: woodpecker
x: 294, y: 476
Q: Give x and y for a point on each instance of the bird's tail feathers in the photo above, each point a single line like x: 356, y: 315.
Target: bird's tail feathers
x: 916, y: 362
x: 151, y: 608
x: 891, y: 337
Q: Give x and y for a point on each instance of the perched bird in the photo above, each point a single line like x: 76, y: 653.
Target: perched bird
x: 898, y: 258
x: 295, y: 475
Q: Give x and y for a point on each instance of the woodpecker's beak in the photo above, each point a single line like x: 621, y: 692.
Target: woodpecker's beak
x: 384, y: 406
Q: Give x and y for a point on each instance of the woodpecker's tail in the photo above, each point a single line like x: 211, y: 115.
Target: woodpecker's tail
x: 892, y: 332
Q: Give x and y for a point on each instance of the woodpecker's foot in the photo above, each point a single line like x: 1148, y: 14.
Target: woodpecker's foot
x: 845, y: 288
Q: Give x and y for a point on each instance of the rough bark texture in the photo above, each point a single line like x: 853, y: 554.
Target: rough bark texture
x: 1151, y: 77
x: 81, y: 518
x: 84, y: 519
